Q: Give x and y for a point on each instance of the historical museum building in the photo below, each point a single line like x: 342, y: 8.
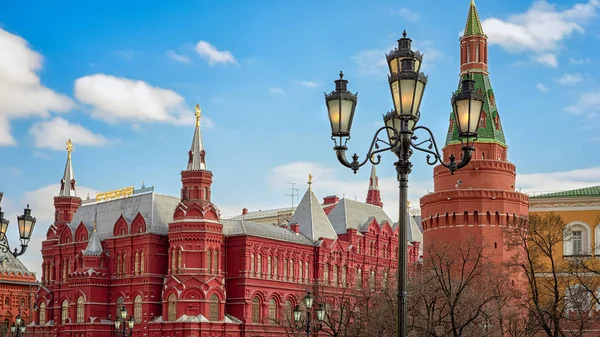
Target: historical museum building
x: 181, y: 270
x: 18, y: 287
x: 479, y: 199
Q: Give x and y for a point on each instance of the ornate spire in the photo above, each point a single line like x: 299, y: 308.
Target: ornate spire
x: 67, y: 183
x: 473, y: 25
x: 373, y: 195
x: 196, y: 154
x: 94, y: 247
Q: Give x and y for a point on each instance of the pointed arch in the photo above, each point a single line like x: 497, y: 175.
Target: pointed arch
x: 137, y: 309
x: 213, y: 308
x: 273, y: 318
x: 42, y: 314
x: 121, y: 227
x: 215, y: 263
x: 256, y: 309
x: 64, y: 317
x: 138, y: 225
x: 208, y: 261
x: 142, y: 263
x: 172, y: 307
x: 80, y: 318
x: 66, y: 235
x: 81, y: 233
x: 194, y: 211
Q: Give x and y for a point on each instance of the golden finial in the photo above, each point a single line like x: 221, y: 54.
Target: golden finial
x: 69, y: 147
x: 198, y: 114
x: 309, y: 180
x: 94, y: 227
x: 408, y: 204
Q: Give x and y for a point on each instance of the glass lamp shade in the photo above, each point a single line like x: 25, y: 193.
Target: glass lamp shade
x: 131, y: 322
x: 123, y: 313
x: 297, y: 313
x: 403, y: 51
x: 26, y: 224
x: 407, y: 88
x: 308, y: 300
x: 320, y: 313
x: 341, y: 104
x: 3, y: 226
x: 117, y: 324
x: 467, y: 106
x: 13, y: 328
x: 22, y: 328
x: 18, y: 320
x: 393, y: 122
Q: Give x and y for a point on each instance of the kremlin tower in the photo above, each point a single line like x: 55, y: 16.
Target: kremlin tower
x: 479, y: 199
x: 373, y: 194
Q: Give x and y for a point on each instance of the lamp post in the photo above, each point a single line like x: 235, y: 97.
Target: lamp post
x: 26, y: 224
x: 308, y: 325
x: 407, y: 85
x: 124, y: 326
x: 18, y: 327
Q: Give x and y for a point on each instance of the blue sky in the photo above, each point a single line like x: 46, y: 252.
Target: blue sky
x: 121, y: 78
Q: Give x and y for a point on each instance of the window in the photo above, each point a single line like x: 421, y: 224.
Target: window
x: 259, y: 264
x: 255, y: 310
x: 358, y: 279
x: 142, y: 263
x: 137, y: 309
x: 124, y: 265
x: 576, y: 242
x: 42, y: 313
x: 344, y: 282
x: 172, y: 308
x: 208, y: 261
x: 384, y: 280
x: 326, y: 274
x: 136, y: 267
x: 6, y: 301
x: 275, y: 267
x: 288, y: 309
x: 300, y: 270
x: 335, y: 276
x: 173, y: 260
x: 120, y: 304
x: 285, y: 268
x: 252, y: 264
x: 179, y: 259
x: 477, y: 52
x: 482, y: 120
x: 213, y: 308
x: 269, y: 266
x: 576, y: 239
x: 80, y: 310
x: 64, y: 311
x: 577, y: 299
x: 291, y: 271
x: 372, y: 280
x: 272, y: 311
x: 215, y: 263
x: 306, y: 270
x: 468, y: 53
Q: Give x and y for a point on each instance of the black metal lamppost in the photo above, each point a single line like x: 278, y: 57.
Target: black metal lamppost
x: 308, y: 325
x: 18, y: 327
x: 124, y: 326
x: 407, y: 85
x: 26, y: 224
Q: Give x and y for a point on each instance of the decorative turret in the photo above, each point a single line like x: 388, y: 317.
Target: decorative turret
x: 94, y: 247
x: 373, y: 195
x: 196, y: 154
x: 67, y: 202
x: 473, y: 45
x: 310, y: 219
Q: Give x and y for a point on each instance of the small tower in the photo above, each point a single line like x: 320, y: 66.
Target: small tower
x: 373, y: 195
x: 67, y: 202
x: 473, y: 45
x: 195, y: 273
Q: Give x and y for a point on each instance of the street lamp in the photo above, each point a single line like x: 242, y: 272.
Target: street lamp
x: 26, y: 224
x: 407, y: 86
x: 124, y: 326
x: 18, y: 327
x: 309, y: 325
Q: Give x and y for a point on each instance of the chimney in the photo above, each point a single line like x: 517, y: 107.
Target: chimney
x: 330, y: 200
x: 295, y: 228
x: 244, y: 211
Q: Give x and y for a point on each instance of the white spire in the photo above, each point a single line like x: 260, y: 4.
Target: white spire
x: 67, y: 183
x: 196, y: 154
x: 373, y: 183
x: 94, y: 247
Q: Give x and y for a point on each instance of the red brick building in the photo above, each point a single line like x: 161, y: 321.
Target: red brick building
x: 479, y: 199
x: 17, y: 291
x: 181, y: 270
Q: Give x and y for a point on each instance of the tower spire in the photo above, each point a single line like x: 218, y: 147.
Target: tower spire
x: 473, y: 25
x: 196, y: 155
x: 373, y: 195
x: 67, y: 183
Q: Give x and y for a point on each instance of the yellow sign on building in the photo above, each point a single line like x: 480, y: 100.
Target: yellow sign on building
x: 120, y: 193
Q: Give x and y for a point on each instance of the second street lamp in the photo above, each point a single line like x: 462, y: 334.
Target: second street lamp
x: 308, y: 325
x: 26, y: 223
x: 407, y: 86
x: 124, y: 326
x: 18, y: 327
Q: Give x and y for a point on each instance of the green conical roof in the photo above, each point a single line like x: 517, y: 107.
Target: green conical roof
x: 473, y: 25
x: 491, y: 130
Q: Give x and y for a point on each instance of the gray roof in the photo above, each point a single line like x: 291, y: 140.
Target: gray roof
x: 10, y: 263
x: 356, y: 215
x: 94, y: 247
x: 196, y: 160
x: 241, y: 227
x: 156, y: 209
x: 311, y: 218
x: 413, y: 233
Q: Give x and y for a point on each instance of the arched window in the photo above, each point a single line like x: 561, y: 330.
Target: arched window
x: 326, y: 274
x: 7, y: 301
x: 291, y: 271
x: 179, y: 259
x: 259, y: 264
x: 137, y: 309
x: 285, y: 268
x: 269, y: 266
x: 288, y: 309
x: 578, y: 299
x: 300, y: 270
x: 42, y: 313
x: 174, y: 260
x: 477, y: 52
x: 372, y: 280
x: 468, y: 53
x: 275, y: 267
x: 335, y: 276
x: 136, y: 267
x: 80, y: 309
x: 172, y: 308
x: 252, y: 264
x: 120, y: 304
x: 576, y: 239
x: 255, y: 310
x: 215, y: 263
x: 272, y: 311
x: 124, y: 264
x: 213, y: 308
x: 306, y: 270
x: 142, y: 263
x: 384, y: 280
x: 208, y: 261
x: 344, y: 281
x: 64, y: 311
x: 358, y: 280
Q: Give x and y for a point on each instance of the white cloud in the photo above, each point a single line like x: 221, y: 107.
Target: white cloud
x: 177, y: 57
x: 309, y: 84
x: 21, y: 93
x: 569, y: 79
x: 588, y: 102
x: 547, y: 59
x: 409, y: 15
x: 373, y: 62
x: 540, y: 29
x: 278, y: 91
x: 41, y: 202
x: 542, y: 87
x: 340, y: 182
x: 114, y: 99
x: 558, y: 181
x: 52, y: 134
x: 586, y: 60
x: 212, y: 55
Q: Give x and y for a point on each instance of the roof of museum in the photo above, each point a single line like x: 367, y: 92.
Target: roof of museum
x: 592, y: 191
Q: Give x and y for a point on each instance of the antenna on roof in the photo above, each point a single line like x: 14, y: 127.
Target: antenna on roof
x: 293, y: 193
